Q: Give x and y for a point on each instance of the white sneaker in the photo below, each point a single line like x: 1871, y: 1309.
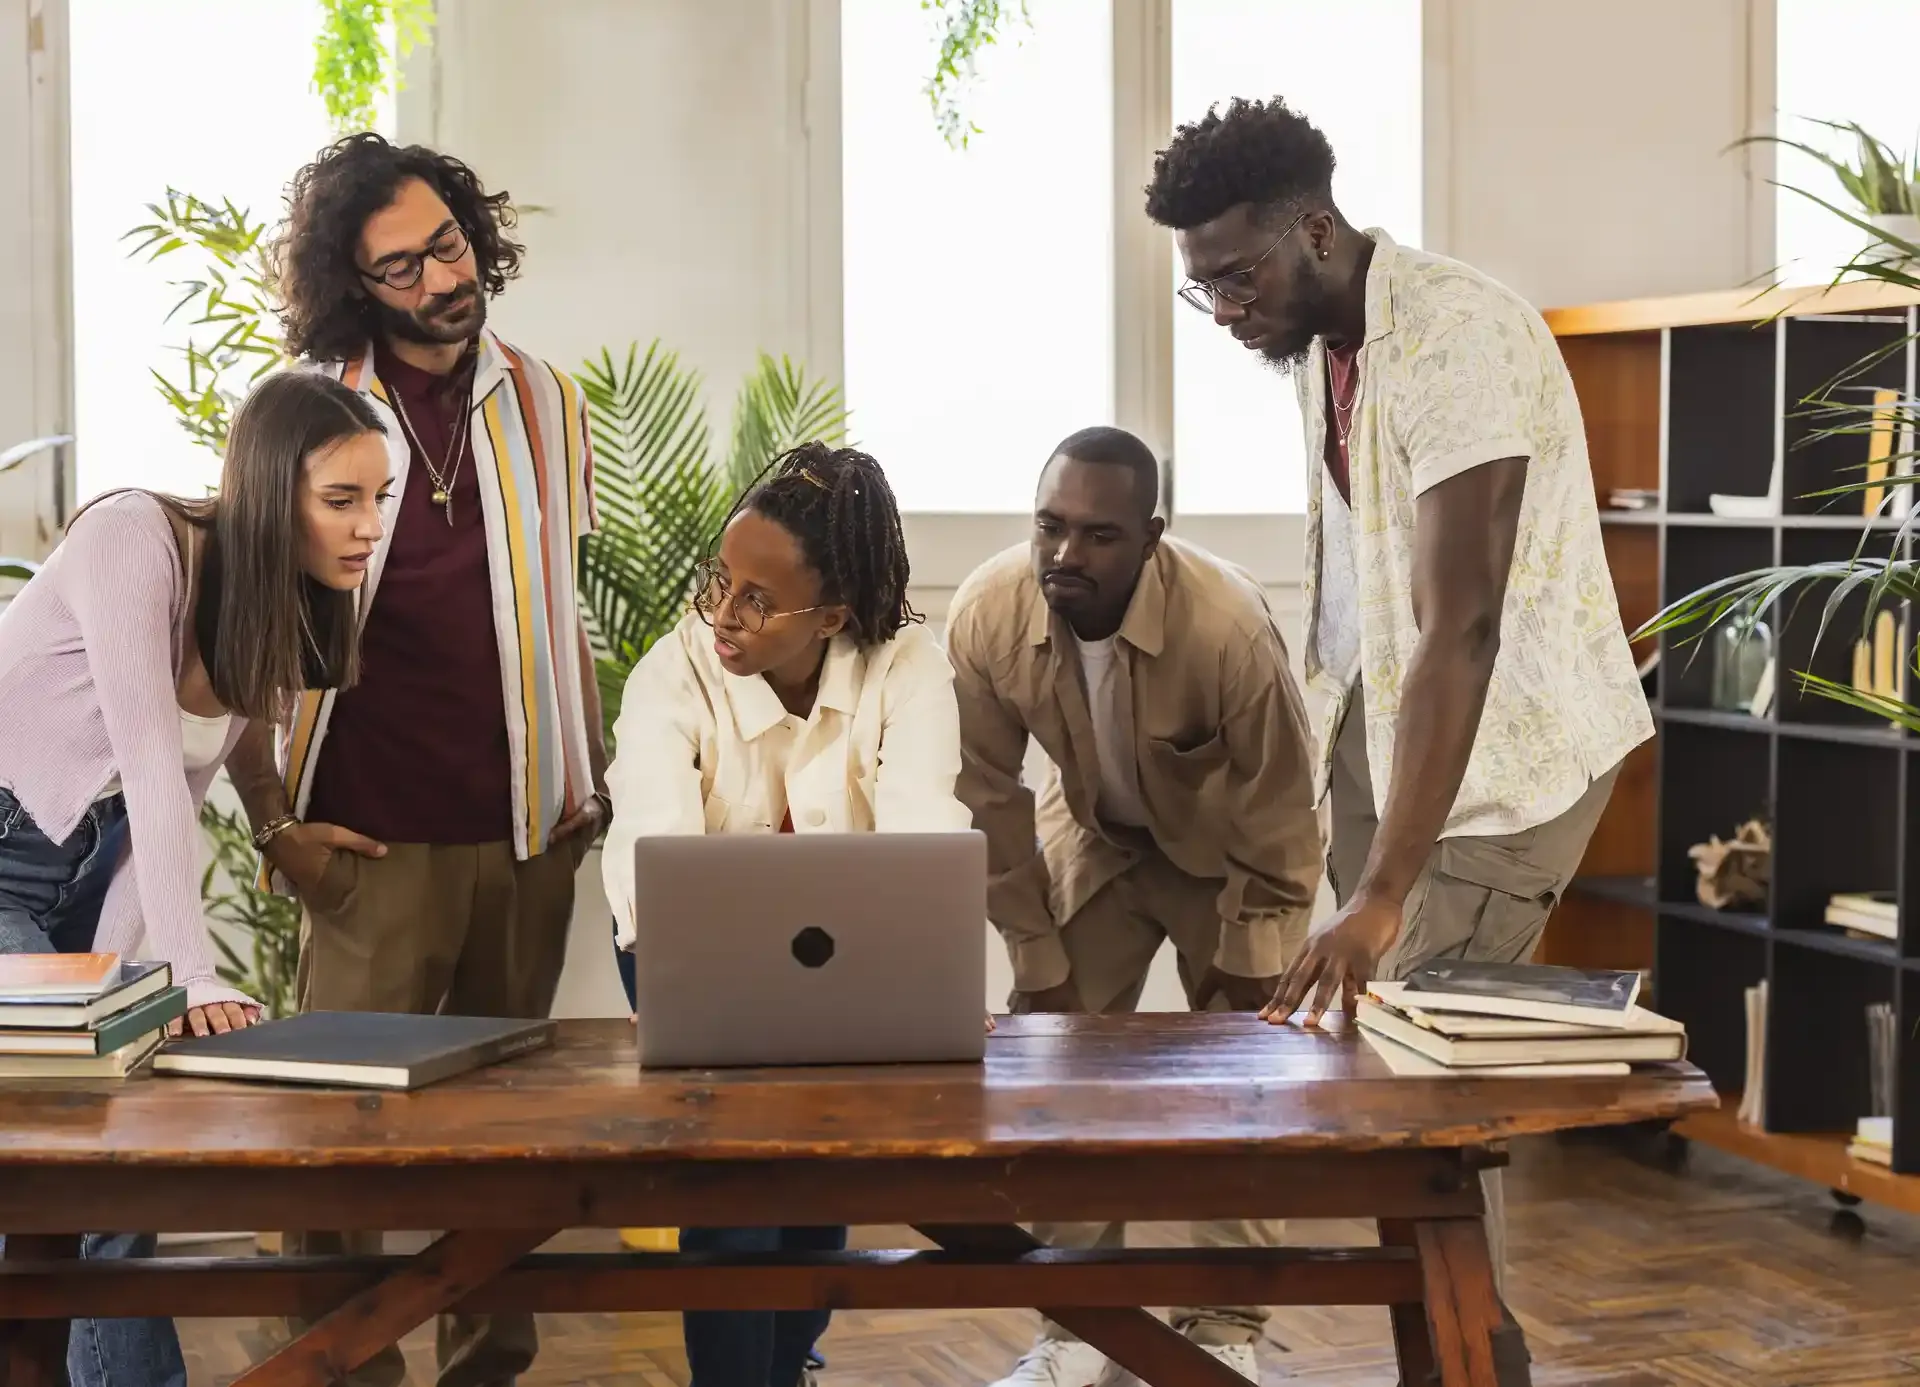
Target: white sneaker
x: 1239, y: 1357
x: 1057, y: 1363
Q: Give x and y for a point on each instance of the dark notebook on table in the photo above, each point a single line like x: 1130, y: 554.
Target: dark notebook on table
x: 355, y: 1049
x: 1544, y: 992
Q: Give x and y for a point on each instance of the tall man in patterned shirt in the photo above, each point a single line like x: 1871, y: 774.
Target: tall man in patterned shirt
x: 1462, y: 621
x: 465, y: 767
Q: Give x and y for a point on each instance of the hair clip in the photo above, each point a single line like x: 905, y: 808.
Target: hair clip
x: 807, y: 472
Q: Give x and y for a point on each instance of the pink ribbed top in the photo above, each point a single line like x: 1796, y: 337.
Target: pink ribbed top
x: 89, y: 665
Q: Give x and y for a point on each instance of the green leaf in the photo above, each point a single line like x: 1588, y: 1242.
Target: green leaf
x: 662, y: 495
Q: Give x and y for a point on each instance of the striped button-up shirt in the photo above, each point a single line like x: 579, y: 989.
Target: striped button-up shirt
x: 534, y: 460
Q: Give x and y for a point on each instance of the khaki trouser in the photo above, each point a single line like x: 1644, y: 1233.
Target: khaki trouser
x: 1110, y: 946
x: 1480, y: 898
x: 464, y: 930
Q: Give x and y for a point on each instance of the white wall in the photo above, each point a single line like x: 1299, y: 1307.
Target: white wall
x: 667, y: 150
x: 1575, y: 150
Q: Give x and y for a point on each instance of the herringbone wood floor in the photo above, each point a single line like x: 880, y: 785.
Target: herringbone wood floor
x: 1624, y: 1275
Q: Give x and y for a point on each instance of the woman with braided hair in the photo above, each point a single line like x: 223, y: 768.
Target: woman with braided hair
x: 801, y: 694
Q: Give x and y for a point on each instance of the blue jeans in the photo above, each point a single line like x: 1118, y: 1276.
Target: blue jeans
x: 50, y: 899
x: 748, y: 1348
x: 755, y: 1348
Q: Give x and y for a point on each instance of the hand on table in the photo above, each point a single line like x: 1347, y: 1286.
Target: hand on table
x: 989, y: 1023
x: 302, y: 852
x: 1339, y: 960
x: 1242, y: 994
x: 216, y: 1018
x: 1063, y: 999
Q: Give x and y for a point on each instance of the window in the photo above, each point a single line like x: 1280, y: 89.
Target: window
x: 1354, y: 69
x: 212, y: 97
x: 1822, y: 73
x: 978, y: 283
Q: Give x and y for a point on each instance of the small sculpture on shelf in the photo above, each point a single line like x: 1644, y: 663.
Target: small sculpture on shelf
x: 1735, y: 874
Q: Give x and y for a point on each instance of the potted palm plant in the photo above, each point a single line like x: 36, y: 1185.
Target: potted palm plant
x: 1883, y: 186
x: 1840, y: 408
x: 664, y: 491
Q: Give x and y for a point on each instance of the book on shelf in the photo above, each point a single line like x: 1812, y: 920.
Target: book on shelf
x: 355, y: 1049
x: 1753, y: 1097
x: 1467, y: 1042
x: 1873, y: 1141
x: 1879, y: 449
x: 1534, y: 991
x: 25, y: 977
x: 1883, y: 1059
x: 1865, y: 912
x: 1633, y: 498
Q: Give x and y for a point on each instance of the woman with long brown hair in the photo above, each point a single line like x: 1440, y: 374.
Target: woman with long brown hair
x: 129, y: 666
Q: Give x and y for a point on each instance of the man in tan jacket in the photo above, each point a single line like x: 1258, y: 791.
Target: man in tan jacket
x: 1180, y: 804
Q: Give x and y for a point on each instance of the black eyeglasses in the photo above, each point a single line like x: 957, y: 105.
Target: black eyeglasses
x: 404, y: 271
x: 711, y: 592
x: 1236, y: 286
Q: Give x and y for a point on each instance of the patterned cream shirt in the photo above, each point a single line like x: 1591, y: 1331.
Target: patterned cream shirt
x: 1457, y: 371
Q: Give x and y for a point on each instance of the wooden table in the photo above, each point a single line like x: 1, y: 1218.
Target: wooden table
x: 1142, y: 1118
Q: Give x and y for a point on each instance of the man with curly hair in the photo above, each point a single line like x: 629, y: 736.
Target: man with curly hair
x: 465, y: 769
x: 1462, y: 621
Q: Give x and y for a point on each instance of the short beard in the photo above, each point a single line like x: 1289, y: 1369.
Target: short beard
x: 1312, y: 305
x: 1286, y: 363
x: 411, y: 325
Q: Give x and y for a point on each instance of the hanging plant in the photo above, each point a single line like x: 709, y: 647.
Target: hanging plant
x: 966, y: 28
x: 351, y: 63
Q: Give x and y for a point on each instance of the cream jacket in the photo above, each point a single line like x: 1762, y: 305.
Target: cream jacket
x: 699, y: 750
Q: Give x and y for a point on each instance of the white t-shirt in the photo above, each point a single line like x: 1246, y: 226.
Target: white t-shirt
x: 1119, y: 773
x: 1336, y: 634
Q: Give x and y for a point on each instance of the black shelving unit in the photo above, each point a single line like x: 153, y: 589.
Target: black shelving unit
x: 1840, y: 790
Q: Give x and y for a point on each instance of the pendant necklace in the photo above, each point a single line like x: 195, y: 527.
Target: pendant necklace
x: 448, y: 471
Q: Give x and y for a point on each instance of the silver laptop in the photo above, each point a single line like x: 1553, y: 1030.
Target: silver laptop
x: 810, y: 948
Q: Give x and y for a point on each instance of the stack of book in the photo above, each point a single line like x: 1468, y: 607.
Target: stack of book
x: 1515, y: 1019
x: 1873, y: 1141
x: 1634, y: 498
x: 82, y: 1016
x: 1865, y: 914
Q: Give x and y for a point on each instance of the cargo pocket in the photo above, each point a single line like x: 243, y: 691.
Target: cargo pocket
x: 1485, y: 901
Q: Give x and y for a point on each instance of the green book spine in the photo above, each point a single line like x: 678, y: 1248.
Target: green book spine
x: 149, y: 1015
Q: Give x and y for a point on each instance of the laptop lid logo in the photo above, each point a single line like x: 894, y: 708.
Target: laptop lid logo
x: 813, y: 947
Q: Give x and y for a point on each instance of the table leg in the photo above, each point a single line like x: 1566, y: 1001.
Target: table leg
x: 452, y: 1268
x: 33, y: 1353
x: 1136, y: 1340
x: 1473, y: 1342
x: 1412, y: 1343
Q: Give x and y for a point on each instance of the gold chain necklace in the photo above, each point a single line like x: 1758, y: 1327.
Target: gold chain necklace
x: 448, y: 472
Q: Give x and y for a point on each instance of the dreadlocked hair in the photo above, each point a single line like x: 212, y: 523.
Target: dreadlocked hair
x: 837, y: 503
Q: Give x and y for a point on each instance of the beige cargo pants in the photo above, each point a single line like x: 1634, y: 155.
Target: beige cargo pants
x: 1478, y: 898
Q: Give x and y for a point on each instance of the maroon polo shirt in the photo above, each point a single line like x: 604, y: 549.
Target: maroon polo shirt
x: 417, y: 751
